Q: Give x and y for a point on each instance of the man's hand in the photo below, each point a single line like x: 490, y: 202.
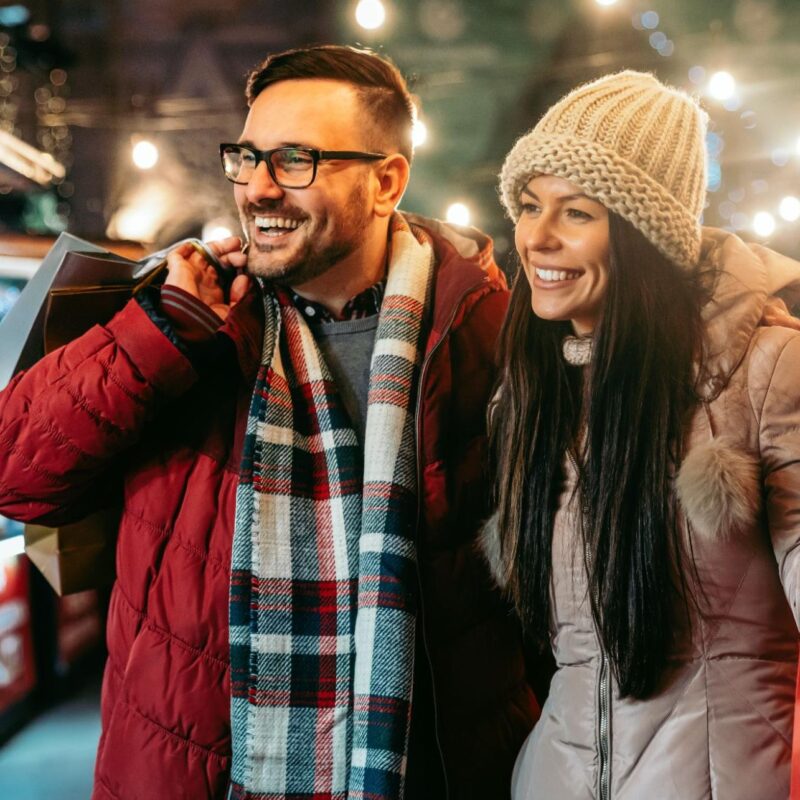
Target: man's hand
x: 188, y: 270
x: 776, y: 313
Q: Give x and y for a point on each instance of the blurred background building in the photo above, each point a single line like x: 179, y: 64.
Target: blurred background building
x: 111, y: 112
x: 126, y: 101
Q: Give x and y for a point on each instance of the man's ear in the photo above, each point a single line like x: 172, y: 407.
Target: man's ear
x: 392, y: 178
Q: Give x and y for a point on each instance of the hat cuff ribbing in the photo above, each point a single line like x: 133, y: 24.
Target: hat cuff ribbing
x: 617, y: 183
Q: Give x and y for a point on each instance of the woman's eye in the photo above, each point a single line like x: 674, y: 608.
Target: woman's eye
x: 529, y: 208
x: 576, y: 213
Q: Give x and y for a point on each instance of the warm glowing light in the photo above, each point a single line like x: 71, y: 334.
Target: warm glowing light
x: 370, y: 14
x: 789, y: 209
x: 764, y: 223
x: 145, y: 154
x: 722, y: 85
x: 606, y: 2
x: 797, y: 145
x: 212, y: 231
x: 419, y: 133
x: 458, y: 214
x: 142, y: 213
x: 135, y: 224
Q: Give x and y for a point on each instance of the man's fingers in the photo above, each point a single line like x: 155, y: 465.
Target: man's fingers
x: 221, y: 310
x: 225, y: 247
x: 181, y: 272
x: 239, y: 288
x: 237, y: 259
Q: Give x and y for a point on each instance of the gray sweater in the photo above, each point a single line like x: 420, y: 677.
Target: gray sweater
x: 347, y: 349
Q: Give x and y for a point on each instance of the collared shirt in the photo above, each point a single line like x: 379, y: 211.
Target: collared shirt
x: 364, y: 304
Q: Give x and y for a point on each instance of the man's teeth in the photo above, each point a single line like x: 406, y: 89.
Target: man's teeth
x: 557, y: 275
x: 271, y: 223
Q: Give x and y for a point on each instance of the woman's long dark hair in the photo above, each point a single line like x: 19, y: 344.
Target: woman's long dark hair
x: 638, y: 396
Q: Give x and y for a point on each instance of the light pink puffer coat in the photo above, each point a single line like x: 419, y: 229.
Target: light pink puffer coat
x: 721, y: 725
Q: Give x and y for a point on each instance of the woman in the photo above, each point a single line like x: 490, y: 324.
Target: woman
x: 646, y: 436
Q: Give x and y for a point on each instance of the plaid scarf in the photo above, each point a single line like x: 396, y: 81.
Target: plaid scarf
x: 323, y: 583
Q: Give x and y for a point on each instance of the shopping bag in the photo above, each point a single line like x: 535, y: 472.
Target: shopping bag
x: 78, y: 285
x: 78, y: 556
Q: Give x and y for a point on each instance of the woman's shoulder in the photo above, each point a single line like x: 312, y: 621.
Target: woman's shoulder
x: 773, y: 365
x: 773, y: 344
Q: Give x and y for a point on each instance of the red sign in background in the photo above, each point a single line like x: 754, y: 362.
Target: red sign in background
x: 17, y: 670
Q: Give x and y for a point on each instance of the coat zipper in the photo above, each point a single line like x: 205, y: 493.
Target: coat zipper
x: 417, y: 418
x: 603, y: 698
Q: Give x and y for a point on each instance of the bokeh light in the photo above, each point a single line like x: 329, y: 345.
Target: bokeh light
x: 650, y: 20
x: 763, y: 224
x: 697, y: 74
x: 722, y: 85
x: 370, y: 14
x: 789, y: 208
x: 215, y: 229
x: 419, y: 133
x: 145, y: 154
x: 458, y: 214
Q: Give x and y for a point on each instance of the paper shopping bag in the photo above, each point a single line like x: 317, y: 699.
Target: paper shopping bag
x: 78, y: 556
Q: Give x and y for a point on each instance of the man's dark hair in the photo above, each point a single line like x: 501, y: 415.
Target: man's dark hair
x: 381, y: 87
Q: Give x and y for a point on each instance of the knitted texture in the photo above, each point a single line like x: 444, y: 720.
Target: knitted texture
x: 630, y: 142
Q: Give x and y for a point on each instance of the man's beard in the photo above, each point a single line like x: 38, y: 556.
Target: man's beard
x: 313, y: 258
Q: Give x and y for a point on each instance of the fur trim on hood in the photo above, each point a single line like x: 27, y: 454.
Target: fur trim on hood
x: 718, y: 487
x: 741, y: 279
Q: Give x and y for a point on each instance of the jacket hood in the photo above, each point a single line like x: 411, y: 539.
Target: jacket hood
x: 464, y: 263
x: 741, y: 277
x: 469, y: 243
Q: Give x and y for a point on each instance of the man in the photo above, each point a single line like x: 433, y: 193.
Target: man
x: 300, y: 610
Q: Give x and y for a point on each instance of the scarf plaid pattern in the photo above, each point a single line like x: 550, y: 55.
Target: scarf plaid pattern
x: 323, y: 583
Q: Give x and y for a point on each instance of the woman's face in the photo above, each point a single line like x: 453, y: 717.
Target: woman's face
x: 562, y: 240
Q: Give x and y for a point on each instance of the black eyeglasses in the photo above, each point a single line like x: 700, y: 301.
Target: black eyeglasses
x: 289, y: 167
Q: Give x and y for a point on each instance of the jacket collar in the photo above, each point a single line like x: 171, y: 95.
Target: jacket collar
x: 741, y: 278
x: 463, y: 258
x: 464, y: 261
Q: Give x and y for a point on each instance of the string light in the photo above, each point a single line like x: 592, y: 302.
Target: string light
x: 722, y: 85
x: 419, y: 133
x: 789, y: 208
x: 458, y: 214
x: 763, y: 224
x: 370, y: 14
x: 145, y: 154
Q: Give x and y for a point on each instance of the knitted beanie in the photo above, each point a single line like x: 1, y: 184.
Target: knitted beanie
x: 630, y: 142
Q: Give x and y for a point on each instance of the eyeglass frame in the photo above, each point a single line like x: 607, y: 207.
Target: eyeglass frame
x: 316, y: 156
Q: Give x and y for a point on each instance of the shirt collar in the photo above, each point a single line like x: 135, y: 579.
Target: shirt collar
x: 364, y: 304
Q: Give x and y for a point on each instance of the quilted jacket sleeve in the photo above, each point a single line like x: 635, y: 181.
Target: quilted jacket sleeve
x: 780, y: 456
x: 66, y: 423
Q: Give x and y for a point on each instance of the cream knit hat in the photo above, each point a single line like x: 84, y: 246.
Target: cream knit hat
x: 630, y: 142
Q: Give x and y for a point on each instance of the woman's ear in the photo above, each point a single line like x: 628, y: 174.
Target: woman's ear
x: 392, y: 177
